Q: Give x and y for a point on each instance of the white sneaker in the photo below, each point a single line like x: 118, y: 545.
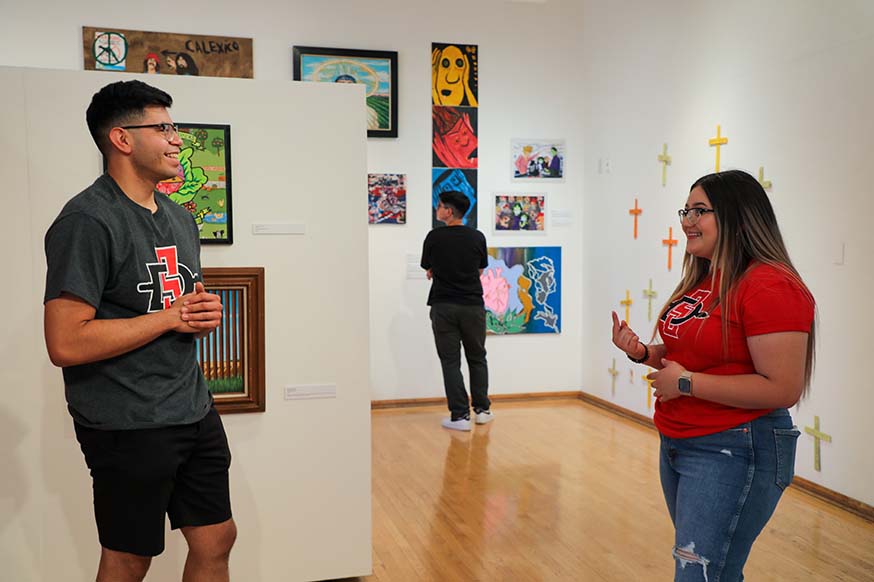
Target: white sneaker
x: 484, y: 417
x: 460, y: 424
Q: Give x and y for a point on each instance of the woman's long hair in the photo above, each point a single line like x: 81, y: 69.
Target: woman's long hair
x: 747, y: 231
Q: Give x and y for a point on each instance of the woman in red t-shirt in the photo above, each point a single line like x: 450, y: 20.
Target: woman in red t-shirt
x: 737, y: 350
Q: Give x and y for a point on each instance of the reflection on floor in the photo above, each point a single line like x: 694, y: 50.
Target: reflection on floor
x: 559, y: 490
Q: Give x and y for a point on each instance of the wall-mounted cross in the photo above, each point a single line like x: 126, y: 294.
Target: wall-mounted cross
x: 648, y: 389
x: 766, y: 184
x: 613, y: 372
x: 650, y: 295
x: 636, y: 212
x: 671, y: 242
x: 665, y: 161
x: 817, y: 437
x: 717, y: 142
x: 627, y: 303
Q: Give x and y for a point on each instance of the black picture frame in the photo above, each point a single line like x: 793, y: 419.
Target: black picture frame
x: 332, y: 64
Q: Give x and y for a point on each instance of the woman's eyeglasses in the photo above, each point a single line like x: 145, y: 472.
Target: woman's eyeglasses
x: 693, y: 215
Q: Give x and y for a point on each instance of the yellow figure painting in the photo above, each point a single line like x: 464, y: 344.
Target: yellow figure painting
x: 451, y: 77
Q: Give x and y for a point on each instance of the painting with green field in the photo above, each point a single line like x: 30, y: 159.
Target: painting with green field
x: 376, y: 70
x: 202, y: 184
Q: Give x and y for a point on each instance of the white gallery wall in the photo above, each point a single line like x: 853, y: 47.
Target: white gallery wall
x: 790, y: 83
x: 300, y: 476
x: 529, y: 87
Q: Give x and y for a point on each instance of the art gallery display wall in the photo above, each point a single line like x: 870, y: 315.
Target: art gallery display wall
x: 789, y: 85
x: 529, y: 88
x: 300, y: 475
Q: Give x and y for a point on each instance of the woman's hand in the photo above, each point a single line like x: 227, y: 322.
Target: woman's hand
x: 665, y: 382
x: 626, y: 340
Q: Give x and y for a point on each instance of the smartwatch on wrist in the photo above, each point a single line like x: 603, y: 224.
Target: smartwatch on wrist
x: 684, y: 383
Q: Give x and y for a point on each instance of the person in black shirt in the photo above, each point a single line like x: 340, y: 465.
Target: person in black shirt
x: 454, y: 257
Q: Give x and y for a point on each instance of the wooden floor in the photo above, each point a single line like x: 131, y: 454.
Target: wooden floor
x: 560, y: 490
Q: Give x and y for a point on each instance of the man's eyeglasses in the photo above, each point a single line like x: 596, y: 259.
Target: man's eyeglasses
x: 693, y: 215
x: 168, y: 130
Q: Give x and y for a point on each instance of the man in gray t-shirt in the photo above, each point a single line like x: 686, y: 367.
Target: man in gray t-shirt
x: 124, y: 304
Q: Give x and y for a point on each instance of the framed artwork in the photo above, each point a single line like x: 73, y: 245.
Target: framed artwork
x: 203, y: 182
x: 454, y: 142
x: 520, y: 212
x: 386, y: 198
x: 376, y: 70
x: 522, y: 290
x: 533, y: 159
x: 232, y: 356
x: 166, y: 53
x: 464, y: 181
x: 454, y: 74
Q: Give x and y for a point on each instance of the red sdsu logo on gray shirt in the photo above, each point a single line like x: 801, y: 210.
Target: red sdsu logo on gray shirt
x: 168, y: 279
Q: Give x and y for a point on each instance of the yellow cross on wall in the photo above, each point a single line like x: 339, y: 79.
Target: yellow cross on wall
x: 817, y: 437
x: 627, y: 303
x: 665, y: 161
x: 613, y: 372
x: 650, y: 295
x: 648, y: 389
x: 717, y: 142
x: 766, y: 184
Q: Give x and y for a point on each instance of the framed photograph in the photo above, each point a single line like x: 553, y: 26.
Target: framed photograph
x: 232, y: 356
x: 377, y: 70
x: 166, y: 53
x: 203, y: 182
x: 520, y: 212
x: 537, y: 159
x: 386, y: 198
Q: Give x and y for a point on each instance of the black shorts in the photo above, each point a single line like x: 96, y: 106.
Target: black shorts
x: 141, y: 475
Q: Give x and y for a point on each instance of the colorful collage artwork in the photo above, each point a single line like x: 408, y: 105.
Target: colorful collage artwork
x: 454, y: 113
x: 203, y: 183
x: 522, y: 290
x: 386, y: 198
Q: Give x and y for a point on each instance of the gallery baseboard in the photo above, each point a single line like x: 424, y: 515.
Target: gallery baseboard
x: 809, y: 487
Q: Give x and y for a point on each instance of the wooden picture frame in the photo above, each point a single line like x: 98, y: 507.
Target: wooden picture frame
x: 378, y: 70
x: 232, y: 356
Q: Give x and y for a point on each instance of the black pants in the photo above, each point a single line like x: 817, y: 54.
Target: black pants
x: 454, y: 325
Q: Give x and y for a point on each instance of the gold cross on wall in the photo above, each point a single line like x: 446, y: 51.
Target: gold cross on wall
x: 817, y: 437
x: 627, y: 303
x: 766, y: 184
x: 613, y: 372
x: 650, y: 295
x: 648, y: 389
x: 665, y: 160
x: 717, y: 142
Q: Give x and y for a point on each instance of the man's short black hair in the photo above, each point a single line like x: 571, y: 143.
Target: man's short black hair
x: 121, y: 103
x: 458, y: 202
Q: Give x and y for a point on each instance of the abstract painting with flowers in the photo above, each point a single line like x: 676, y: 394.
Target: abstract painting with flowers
x: 522, y: 290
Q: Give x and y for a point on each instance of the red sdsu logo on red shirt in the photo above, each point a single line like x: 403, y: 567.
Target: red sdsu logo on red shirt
x: 683, y: 310
x: 169, y: 280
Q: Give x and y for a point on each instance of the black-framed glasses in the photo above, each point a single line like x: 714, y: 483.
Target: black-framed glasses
x: 693, y: 215
x: 168, y: 130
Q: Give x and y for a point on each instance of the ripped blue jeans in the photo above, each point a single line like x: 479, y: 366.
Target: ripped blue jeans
x: 721, y: 489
